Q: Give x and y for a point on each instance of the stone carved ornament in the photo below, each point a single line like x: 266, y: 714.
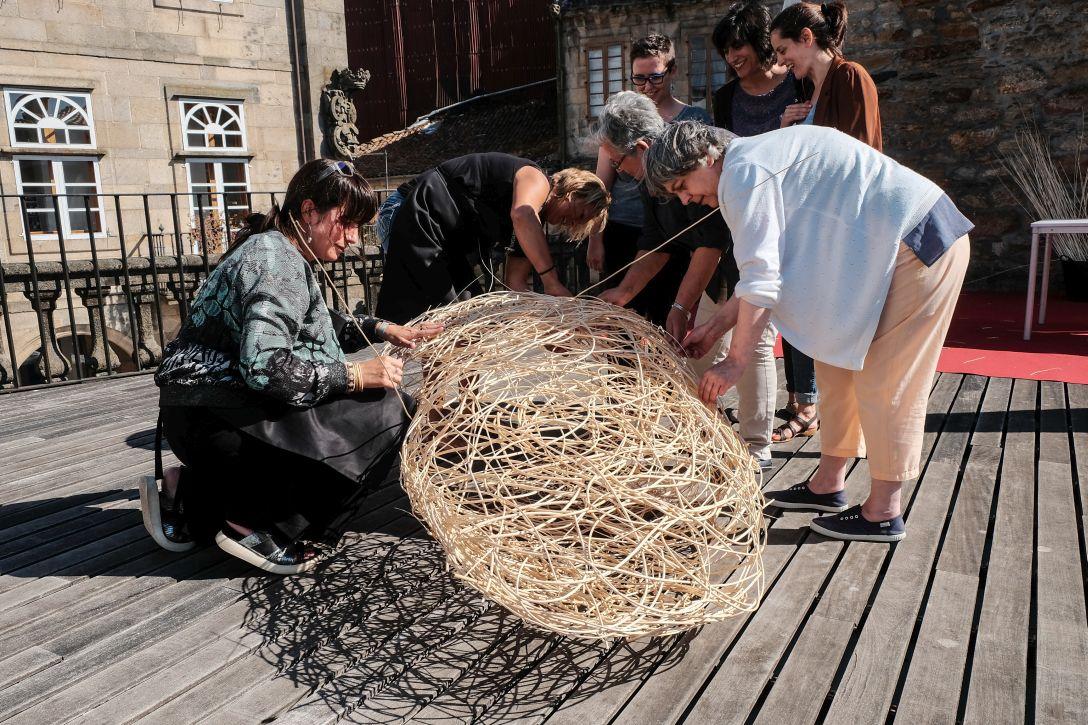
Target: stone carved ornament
x: 341, y: 133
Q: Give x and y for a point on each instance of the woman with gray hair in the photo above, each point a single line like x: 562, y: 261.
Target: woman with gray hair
x: 653, y: 67
x: 629, y: 124
x: 892, y: 250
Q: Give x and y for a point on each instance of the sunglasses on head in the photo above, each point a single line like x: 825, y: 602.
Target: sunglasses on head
x: 343, y: 168
x: 653, y: 78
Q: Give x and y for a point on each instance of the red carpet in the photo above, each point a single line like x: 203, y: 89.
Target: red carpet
x: 986, y: 338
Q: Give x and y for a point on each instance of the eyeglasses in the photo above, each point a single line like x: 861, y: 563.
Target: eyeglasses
x: 617, y: 164
x: 343, y: 168
x: 654, y: 79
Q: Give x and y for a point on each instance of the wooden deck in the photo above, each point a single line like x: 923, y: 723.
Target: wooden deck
x: 978, y: 616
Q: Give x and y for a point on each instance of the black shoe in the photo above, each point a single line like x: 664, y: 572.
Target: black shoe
x: 165, y: 524
x: 801, y: 498
x: 850, y: 525
x: 262, y: 550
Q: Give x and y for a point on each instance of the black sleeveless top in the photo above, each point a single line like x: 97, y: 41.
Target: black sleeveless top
x: 482, y: 187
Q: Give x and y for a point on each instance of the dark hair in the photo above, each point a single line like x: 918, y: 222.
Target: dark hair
x: 326, y: 190
x: 827, y: 23
x: 652, y: 46
x: 746, y: 23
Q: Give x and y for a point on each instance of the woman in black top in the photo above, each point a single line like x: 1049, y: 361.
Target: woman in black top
x: 465, y: 207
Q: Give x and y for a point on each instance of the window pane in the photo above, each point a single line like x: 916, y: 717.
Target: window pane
x: 42, y: 222
x: 596, y: 99
x: 40, y: 201
x: 233, y: 141
x: 615, y: 86
x: 79, y: 172
x: 54, y: 135
x: 79, y: 136
x: 33, y: 171
x: 596, y: 89
x: 26, y: 135
x: 234, y: 173
x: 238, y: 201
x: 205, y: 202
x: 201, y: 172
x: 615, y: 51
x: 194, y: 139
x: 78, y: 222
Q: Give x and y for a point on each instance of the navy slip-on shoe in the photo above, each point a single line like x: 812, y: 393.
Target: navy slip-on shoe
x: 801, y: 498
x: 850, y: 525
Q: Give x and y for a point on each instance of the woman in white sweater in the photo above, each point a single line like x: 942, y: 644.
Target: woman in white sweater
x: 891, y: 251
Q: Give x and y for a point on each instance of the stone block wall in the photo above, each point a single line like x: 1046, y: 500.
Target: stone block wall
x: 956, y: 81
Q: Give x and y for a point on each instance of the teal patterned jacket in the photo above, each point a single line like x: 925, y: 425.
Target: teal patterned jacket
x: 259, y: 324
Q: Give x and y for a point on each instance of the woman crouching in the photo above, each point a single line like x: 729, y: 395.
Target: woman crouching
x: 276, y: 431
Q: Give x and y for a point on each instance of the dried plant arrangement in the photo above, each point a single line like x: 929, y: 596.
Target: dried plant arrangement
x: 1048, y: 190
x: 561, y: 458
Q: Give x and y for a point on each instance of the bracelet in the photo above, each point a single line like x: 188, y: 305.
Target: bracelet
x: 351, y: 377
x: 541, y: 274
x: 380, y: 328
x: 685, y: 310
x: 358, y: 375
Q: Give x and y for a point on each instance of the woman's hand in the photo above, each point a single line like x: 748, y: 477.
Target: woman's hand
x: 701, y: 340
x: 379, y: 372
x: 554, y: 287
x: 795, y: 112
x: 719, y: 379
x: 595, y: 253
x: 614, y: 296
x: 676, y: 324
x: 402, y: 336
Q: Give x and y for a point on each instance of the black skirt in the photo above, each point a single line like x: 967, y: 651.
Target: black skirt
x: 296, y: 470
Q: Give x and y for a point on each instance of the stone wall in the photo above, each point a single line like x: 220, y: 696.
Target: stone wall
x: 956, y: 81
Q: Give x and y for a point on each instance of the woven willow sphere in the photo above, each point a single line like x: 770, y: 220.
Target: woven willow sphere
x: 562, y: 460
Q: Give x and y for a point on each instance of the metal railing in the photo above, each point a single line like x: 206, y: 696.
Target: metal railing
x: 105, y: 301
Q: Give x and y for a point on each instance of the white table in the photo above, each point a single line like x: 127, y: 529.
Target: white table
x: 1044, y: 228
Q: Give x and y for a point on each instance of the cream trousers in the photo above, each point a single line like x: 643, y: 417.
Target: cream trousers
x: 880, y: 411
x: 756, y: 388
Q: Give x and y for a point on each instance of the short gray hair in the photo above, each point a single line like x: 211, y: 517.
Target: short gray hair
x: 627, y: 118
x: 681, y: 149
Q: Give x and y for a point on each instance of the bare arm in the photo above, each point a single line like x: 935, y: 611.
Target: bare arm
x: 531, y: 188
x: 750, y: 322
x: 704, y: 261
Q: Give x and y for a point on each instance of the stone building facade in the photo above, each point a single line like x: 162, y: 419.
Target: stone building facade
x: 956, y: 80
x: 214, y: 101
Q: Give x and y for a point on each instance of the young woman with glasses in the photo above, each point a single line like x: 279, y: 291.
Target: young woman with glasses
x: 276, y: 431
x: 653, y: 69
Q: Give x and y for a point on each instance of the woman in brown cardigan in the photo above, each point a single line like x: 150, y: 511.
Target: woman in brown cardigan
x: 808, y: 39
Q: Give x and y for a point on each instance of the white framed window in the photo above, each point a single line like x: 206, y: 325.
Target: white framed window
x: 218, y: 191
x: 212, y: 125
x: 604, y: 74
x: 706, y: 72
x: 43, y: 119
x: 76, y: 183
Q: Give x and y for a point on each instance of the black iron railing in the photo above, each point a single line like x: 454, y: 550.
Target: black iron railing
x: 100, y: 292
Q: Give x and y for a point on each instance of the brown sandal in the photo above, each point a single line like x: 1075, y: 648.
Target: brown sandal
x: 787, y: 431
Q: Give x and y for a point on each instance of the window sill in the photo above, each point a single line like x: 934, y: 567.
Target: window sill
x: 232, y: 9
x: 238, y: 155
x: 9, y: 151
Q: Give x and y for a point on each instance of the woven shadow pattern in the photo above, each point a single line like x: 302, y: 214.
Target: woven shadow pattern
x: 381, y: 633
x: 561, y: 458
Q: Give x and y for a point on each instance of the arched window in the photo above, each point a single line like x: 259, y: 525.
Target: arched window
x: 48, y: 118
x: 212, y: 125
